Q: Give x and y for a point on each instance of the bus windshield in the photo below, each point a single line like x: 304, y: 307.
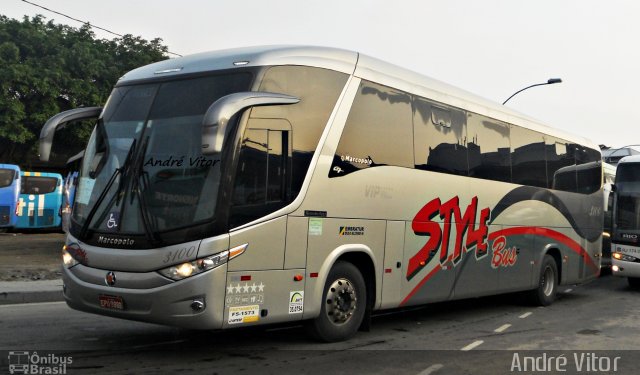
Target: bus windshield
x: 6, y: 177
x: 143, y: 169
x: 628, y: 196
x: 38, y: 185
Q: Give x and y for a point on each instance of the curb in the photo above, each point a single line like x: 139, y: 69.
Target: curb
x: 18, y: 292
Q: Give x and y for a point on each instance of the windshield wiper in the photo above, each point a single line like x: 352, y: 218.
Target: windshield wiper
x: 116, y: 172
x: 137, y: 174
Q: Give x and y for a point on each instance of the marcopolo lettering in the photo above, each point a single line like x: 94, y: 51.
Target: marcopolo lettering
x: 115, y: 241
x: 351, y: 159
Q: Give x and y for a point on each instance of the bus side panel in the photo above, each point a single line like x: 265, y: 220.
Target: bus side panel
x: 266, y: 246
x: 431, y: 282
x: 296, y: 245
x: 329, y: 239
x: 261, y: 297
x: 392, y: 277
x: 513, y: 255
x: 475, y: 273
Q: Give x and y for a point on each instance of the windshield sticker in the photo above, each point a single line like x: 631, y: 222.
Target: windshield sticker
x: 244, y: 314
x: 85, y: 187
x: 296, y: 302
x: 351, y: 231
x: 315, y: 227
x: 113, y: 221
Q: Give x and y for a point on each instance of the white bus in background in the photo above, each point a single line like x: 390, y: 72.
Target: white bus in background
x: 272, y: 184
x: 625, y: 240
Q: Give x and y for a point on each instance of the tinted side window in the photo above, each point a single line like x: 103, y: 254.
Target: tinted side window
x: 378, y: 131
x: 589, y: 170
x: 440, y: 132
x: 318, y: 90
x: 561, y: 168
x: 528, y: 160
x: 489, y: 148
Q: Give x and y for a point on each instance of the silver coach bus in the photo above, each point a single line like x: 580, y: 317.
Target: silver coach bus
x: 262, y: 185
x: 625, y: 238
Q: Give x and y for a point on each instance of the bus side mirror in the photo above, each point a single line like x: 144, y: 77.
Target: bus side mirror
x: 216, y: 119
x: 58, y: 122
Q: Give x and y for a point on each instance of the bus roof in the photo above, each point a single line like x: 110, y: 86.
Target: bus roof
x: 10, y: 166
x: 347, y: 62
x: 630, y: 159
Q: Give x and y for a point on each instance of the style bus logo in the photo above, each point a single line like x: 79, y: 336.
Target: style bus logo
x: 468, y: 230
x: 24, y: 362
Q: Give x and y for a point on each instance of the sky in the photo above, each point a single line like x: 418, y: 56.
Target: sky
x: 491, y: 48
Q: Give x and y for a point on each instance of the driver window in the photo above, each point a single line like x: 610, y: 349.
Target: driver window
x: 263, y: 174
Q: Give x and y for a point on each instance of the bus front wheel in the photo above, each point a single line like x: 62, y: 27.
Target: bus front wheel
x: 343, y: 304
x: 545, y: 292
x: 634, y: 282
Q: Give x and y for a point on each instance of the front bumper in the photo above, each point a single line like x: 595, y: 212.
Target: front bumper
x: 149, y: 300
x: 625, y: 269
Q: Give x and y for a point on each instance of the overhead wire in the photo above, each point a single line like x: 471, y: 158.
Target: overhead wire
x: 83, y: 22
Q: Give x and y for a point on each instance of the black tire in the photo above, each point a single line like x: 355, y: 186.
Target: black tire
x: 343, y: 304
x: 545, y: 293
x: 634, y: 282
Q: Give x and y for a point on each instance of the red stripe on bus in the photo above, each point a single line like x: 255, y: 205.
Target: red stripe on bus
x: 544, y: 232
x: 426, y: 278
x: 549, y: 233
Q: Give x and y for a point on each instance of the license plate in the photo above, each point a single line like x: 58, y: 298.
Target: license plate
x: 111, y: 302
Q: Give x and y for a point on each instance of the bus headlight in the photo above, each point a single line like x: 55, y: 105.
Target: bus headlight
x: 188, y: 269
x: 68, y: 260
x: 625, y: 257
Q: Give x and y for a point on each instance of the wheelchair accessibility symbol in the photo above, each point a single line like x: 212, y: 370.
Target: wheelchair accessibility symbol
x: 112, y: 223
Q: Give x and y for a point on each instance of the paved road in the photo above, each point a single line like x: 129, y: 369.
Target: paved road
x: 480, y: 336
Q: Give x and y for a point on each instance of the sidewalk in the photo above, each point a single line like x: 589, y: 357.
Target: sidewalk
x: 12, y: 292
x: 30, y: 267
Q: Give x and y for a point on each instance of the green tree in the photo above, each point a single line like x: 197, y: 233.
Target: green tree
x: 48, y: 68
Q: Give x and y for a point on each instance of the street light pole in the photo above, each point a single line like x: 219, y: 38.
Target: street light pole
x: 550, y: 81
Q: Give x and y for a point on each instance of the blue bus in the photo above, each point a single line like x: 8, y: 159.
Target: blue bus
x: 9, y: 191
x: 40, y: 202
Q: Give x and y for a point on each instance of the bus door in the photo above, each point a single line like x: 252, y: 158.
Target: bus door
x: 257, y: 284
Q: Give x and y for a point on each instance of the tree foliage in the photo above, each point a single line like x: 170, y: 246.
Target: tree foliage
x: 47, y: 68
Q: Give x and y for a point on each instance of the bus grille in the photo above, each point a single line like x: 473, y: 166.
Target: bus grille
x: 4, y: 215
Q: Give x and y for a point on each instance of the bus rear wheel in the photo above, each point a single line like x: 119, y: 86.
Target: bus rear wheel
x: 545, y: 292
x: 343, y: 304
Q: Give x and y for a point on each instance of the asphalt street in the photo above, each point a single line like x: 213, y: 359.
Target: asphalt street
x: 591, y: 324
